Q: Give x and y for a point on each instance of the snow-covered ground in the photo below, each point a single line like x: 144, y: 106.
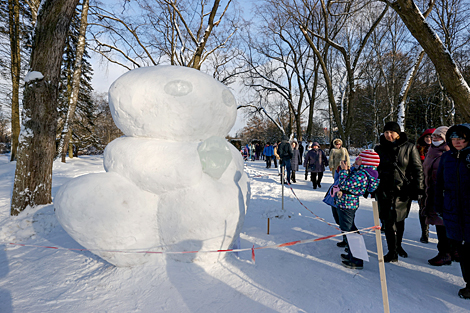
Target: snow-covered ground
x: 300, y: 278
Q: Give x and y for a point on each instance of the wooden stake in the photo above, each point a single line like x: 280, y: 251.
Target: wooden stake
x: 380, y: 254
x: 268, y: 226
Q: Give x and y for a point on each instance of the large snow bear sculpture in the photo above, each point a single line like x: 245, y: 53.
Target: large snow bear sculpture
x: 173, y: 183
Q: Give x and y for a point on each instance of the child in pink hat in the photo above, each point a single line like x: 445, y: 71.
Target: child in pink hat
x: 362, y: 178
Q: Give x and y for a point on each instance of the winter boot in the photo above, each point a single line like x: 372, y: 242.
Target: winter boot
x: 455, y: 256
x: 464, y: 293
x: 390, y: 257
x: 352, y: 265
x: 441, y: 259
x: 402, y: 252
x: 342, y: 244
x: 424, y: 229
x: 293, y: 177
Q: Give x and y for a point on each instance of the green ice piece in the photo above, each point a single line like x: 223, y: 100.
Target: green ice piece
x: 215, y: 156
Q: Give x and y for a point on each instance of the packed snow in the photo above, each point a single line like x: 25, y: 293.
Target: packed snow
x: 33, y: 75
x: 173, y: 183
x: 299, y: 278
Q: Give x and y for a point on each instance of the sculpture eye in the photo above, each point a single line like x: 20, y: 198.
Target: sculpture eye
x: 228, y: 98
x: 178, y: 88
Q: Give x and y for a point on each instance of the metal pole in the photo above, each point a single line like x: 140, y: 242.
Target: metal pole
x: 380, y: 254
x: 282, y: 183
x: 268, y: 226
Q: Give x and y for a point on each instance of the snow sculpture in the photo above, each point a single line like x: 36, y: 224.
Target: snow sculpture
x: 173, y: 183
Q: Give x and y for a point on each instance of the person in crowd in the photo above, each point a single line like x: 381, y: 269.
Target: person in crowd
x: 258, y: 151
x: 276, y: 155
x: 446, y: 250
x: 301, y: 150
x: 285, y: 154
x: 362, y: 178
x: 401, y: 181
x: 330, y: 200
x: 315, y: 162
x: 268, y: 152
x: 309, y: 147
x: 337, y: 154
x: 453, y: 196
x: 423, y: 144
x: 296, y: 160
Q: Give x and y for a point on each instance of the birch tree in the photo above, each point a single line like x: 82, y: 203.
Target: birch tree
x: 73, y: 99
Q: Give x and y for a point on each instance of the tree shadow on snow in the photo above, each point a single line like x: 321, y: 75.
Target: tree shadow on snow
x: 202, y: 292
x: 47, y: 226
x: 5, y: 295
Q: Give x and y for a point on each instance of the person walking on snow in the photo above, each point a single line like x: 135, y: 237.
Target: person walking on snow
x: 337, y: 154
x: 362, y: 178
x: 285, y: 153
x: 309, y: 147
x: 268, y: 152
x: 296, y: 159
x: 453, y: 196
x: 315, y: 162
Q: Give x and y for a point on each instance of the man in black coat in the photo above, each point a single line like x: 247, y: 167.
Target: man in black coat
x: 401, y: 181
x: 284, y: 151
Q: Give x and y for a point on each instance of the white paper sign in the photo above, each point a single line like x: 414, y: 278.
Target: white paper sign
x: 357, y: 246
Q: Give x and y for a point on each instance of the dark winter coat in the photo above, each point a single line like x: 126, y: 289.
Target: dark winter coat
x: 315, y: 160
x: 301, y: 150
x: 296, y: 159
x: 396, y: 190
x: 430, y: 166
x: 453, y: 188
x: 285, y: 150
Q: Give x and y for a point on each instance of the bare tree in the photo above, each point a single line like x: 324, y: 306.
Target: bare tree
x: 36, y: 149
x: 15, y: 70
x: 281, y: 66
x: 442, y: 59
x: 339, y: 14
x: 186, y: 33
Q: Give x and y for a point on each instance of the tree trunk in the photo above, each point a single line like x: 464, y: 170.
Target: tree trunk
x: 77, y: 73
x: 36, y: 149
x: 15, y: 70
x: 428, y: 39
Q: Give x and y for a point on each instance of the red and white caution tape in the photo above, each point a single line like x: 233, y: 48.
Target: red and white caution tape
x: 286, y: 244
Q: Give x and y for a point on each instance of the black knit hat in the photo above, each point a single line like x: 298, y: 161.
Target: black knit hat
x: 393, y: 126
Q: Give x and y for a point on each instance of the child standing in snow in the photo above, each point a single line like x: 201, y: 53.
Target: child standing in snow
x: 362, y: 178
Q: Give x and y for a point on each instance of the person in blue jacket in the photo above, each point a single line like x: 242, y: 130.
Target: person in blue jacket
x: 268, y: 154
x: 452, y: 197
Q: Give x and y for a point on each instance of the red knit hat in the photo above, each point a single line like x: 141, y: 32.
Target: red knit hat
x: 370, y: 157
